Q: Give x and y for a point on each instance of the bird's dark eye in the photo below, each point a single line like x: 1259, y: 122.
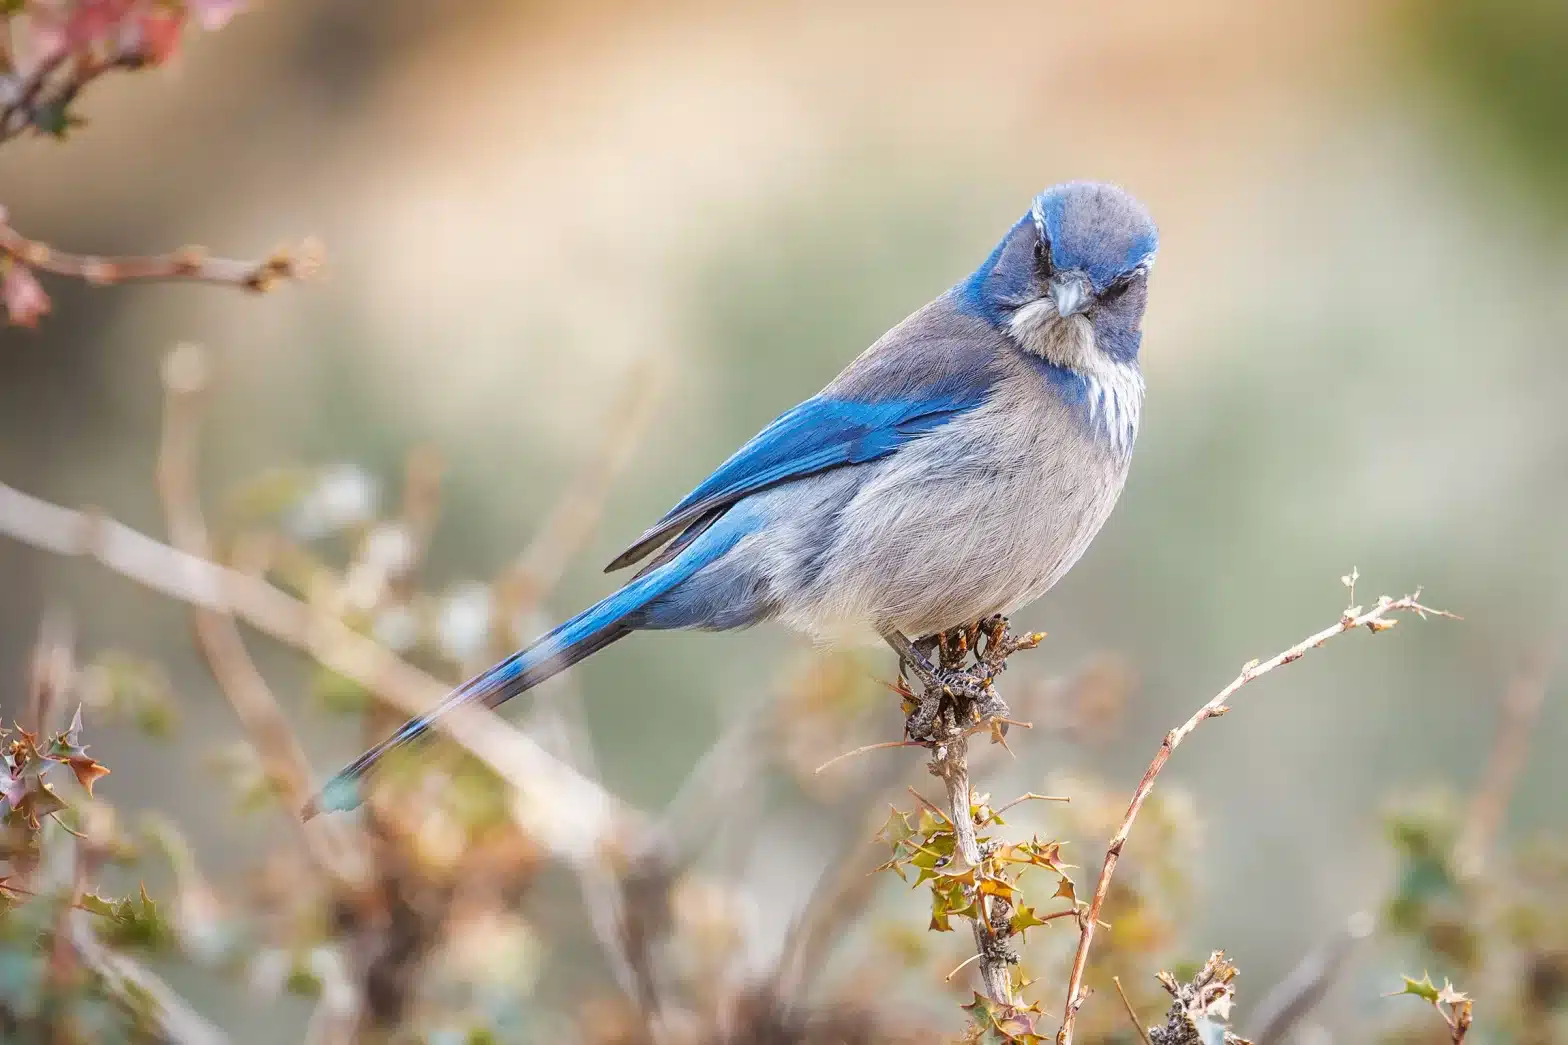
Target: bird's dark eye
x: 1117, y: 287
x: 1042, y: 258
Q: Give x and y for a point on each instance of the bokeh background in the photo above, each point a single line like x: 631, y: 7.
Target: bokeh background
x: 1354, y: 354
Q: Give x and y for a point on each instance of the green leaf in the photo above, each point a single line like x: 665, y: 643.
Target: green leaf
x: 897, y: 829
x: 1024, y: 917
x: 138, y: 923
x: 1423, y: 988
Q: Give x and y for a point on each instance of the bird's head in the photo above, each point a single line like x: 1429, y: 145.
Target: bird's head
x: 1069, y: 282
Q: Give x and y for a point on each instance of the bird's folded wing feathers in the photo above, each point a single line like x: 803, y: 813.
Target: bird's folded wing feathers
x: 821, y: 433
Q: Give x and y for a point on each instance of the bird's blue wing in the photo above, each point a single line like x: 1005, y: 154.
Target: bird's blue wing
x: 821, y: 433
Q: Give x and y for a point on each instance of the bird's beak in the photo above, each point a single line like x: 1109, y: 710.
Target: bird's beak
x: 1071, y: 294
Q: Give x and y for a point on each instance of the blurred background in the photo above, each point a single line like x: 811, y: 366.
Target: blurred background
x: 1354, y: 354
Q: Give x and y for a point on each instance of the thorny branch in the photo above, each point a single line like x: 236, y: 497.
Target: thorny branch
x: 178, y: 1023
x: 1375, y: 620
x: 1200, y: 1010
x: 950, y: 762
x: 942, y: 719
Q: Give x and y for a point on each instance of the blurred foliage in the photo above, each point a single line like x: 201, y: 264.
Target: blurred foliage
x: 54, y: 989
x: 1500, y: 927
x: 1504, y: 62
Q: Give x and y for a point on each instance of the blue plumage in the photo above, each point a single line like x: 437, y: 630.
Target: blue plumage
x: 955, y: 470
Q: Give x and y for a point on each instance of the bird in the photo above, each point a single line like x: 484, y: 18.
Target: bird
x: 951, y: 473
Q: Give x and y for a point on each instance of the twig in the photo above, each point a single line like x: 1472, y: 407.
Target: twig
x: 187, y: 263
x: 185, y: 379
x: 1518, y: 710
x: 1132, y: 1013
x: 568, y: 814
x: 1284, y: 1006
x: 1027, y: 797
x: 571, y: 523
x: 961, y: 966
x: 868, y: 747
x: 1374, y: 620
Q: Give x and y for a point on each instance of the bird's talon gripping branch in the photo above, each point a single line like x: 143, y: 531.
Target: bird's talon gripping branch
x: 968, y: 659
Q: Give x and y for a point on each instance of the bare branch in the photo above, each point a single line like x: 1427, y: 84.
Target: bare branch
x: 1132, y: 1013
x: 185, y: 379
x: 191, y: 264
x: 535, y: 572
x: 571, y: 816
x: 1375, y: 620
x: 1290, y: 1000
x: 1518, y: 710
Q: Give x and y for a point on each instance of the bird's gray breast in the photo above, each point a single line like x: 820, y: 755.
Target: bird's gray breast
x: 977, y: 517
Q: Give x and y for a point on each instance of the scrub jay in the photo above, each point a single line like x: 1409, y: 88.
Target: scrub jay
x: 952, y: 473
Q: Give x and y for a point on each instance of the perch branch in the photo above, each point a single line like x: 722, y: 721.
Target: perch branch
x: 1374, y: 620
x: 950, y: 761
x: 567, y: 813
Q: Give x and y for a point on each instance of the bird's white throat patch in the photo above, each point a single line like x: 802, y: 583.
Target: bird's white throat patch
x: 1113, y: 391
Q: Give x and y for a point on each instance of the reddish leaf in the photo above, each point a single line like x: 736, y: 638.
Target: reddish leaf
x: 160, y: 34
x: 87, y: 771
x: 215, y: 14
x: 25, y: 300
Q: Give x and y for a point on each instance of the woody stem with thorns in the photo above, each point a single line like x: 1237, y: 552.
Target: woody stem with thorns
x: 942, y: 718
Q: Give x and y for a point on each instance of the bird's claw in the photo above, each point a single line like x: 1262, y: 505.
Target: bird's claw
x: 970, y: 694
x: 954, y: 681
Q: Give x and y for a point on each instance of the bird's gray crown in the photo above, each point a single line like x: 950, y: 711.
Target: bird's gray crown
x: 1096, y: 229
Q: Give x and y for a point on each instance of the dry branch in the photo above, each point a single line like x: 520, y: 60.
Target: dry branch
x: 1518, y: 710
x: 190, y: 264
x: 1290, y: 1000
x: 571, y: 816
x: 1374, y: 620
x: 950, y: 761
x: 185, y: 376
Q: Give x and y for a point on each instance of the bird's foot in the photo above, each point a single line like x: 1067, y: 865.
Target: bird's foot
x: 968, y: 693
x: 967, y: 661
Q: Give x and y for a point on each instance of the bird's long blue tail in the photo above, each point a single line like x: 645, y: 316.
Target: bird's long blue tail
x: 584, y: 635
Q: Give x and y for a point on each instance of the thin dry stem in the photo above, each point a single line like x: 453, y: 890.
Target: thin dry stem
x: 1132, y: 1013
x: 530, y: 578
x: 189, y: 264
x: 868, y: 747
x: 1518, y: 710
x: 185, y: 378
x: 1027, y: 797
x: 1374, y: 620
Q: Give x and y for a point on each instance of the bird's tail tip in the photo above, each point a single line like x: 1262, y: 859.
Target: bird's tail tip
x: 340, y: 795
